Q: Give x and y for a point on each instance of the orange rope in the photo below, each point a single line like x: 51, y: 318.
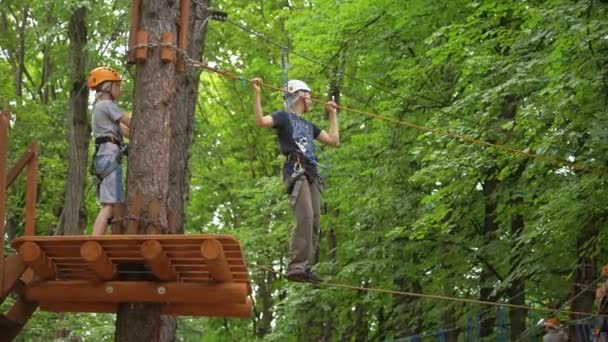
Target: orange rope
x: 548, y: 159
x: 434, y: 296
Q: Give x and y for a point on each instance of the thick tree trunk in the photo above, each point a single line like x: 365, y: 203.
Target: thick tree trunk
x: 161, y: 135
x: 182, y: 119
x: 73, y: 219
x: 149, y: 155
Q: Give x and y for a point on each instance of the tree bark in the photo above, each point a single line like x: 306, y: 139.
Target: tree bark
x: 161, y: 135
x: 73, y: 219
x: 182, y: 118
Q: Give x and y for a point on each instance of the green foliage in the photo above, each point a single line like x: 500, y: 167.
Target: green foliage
x: 409, y: 210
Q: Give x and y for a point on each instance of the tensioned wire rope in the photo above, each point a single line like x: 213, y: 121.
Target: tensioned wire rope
x: 433, y: 296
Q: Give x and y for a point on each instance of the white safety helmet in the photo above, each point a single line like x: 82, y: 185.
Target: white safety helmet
x: 293, y: 86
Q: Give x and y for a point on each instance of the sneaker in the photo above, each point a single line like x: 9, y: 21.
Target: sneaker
x: 304, y: 277
x: 313, y: 278
x: 298, y: 276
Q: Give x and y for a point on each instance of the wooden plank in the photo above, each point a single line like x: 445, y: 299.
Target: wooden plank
x: 198, y: 310
x: 135, y: 15
x: 31, y: 192
x: 98, y: 261
x: 213, y: 253
x: 34, y: 257
x: 13, y: 269
x: 20, y: 312
x: 171, y: 221
x: 119, y: 212
x: 136, y: 292
x: 167, y: 54
x: 141, y: 53
x: 134, y: 210
x: 153, y: 211
x: 181, y: 238
x: 156, y: 259
x: 183, y: 32
x: 18, y: 167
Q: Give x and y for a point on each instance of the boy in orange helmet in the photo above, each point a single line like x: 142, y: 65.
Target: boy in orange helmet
x: 110, y: 126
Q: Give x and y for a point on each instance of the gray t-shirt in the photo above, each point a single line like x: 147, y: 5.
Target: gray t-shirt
x: 106, y: 123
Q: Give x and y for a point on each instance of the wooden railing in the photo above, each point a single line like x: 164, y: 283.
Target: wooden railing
x: 29, y: 159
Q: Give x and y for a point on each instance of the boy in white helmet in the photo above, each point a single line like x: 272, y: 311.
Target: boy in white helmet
x: 300, y: 173
x: 110, y: 125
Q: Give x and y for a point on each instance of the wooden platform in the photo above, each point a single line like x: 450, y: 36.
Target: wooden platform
x: 195, y: 275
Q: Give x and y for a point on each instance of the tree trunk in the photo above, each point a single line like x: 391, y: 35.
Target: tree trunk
x: 584, y: 274
x: 517, y: 288
x: 73, y: 218
x: 161, y: 135
x: 182, y: 119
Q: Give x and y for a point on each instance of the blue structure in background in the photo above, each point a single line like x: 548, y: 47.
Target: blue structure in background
x: 472, y: 330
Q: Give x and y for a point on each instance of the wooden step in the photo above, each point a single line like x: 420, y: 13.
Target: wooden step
x: 6, y: 323
x: 194, y: 275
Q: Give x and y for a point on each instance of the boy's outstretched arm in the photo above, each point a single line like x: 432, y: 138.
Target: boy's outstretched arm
x: 261, y: 120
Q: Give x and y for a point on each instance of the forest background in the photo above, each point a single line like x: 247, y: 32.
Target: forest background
x: 516, y: 214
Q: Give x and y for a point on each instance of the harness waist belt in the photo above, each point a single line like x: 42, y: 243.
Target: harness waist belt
x: 106, y: 139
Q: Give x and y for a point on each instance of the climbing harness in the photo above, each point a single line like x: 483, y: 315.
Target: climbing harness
x: 116, y: 161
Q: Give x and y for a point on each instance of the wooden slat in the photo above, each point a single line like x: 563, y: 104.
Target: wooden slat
x: 19, y: 314
x: 13, y: 269
x: 156, y: 259
x: 182, y: 251
x: 153, y: 211
x: 183, y: 32
x: 31, y: 192
x: 227, y: 310
x: 141, y: 53
x: 119, y: 210
x: 135, y: 208
x: 34, y: 257
x: 98, y: 261
x: 136, y: 292
x: 213, y: 253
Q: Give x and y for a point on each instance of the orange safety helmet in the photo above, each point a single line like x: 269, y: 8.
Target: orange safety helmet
x: 552, y: 323
x: 102, y: 74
